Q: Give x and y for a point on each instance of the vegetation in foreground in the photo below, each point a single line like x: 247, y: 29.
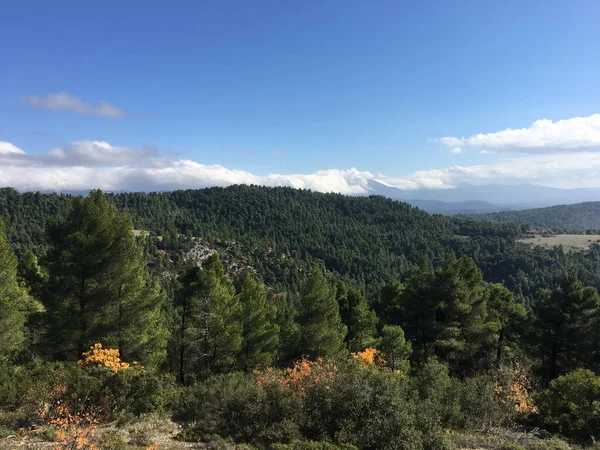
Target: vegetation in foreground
x: 97, y: 335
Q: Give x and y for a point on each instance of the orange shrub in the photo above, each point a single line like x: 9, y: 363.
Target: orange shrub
x: 369, y: 357
x: 75, y: 423
x: 103, y: 357
x: 304, y: 375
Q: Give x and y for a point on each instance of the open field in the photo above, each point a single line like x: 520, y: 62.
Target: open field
x: 571, y: 241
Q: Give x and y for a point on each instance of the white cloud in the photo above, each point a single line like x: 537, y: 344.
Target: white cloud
x: 6, y: 148
x: 543, y: 136
x: 95, y: 164
x: 457, y: 150
x: 65, y: 102
x: 90, y: 153
x: 449, y: 141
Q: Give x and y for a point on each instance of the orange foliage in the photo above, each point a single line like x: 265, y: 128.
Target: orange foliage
x: 103, y: 357
x: 303, y: 376
x: 518, y: 391
x: 75, y: 424
x: 370, y: 356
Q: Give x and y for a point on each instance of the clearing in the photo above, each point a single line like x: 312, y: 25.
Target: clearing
x: 569, y: 241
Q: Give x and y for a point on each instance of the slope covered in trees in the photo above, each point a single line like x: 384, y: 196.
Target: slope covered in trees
x: 283, y: 232
x: 570, y: 218
x: 106, y: 327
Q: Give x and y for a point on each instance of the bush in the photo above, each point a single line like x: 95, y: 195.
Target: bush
x: 512, y: 447
x: 111, y: 441
x: 571, y: 403
x: 366, y: 407
x: 308, y: 445
x: 480, y: 407
x: 237, y: 406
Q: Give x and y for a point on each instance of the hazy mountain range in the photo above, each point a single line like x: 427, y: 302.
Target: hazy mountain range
x: 469, y: 199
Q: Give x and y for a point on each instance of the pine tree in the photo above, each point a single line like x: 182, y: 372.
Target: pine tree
x: 507, y: 316
x: 289, y: 331
x: 443, y: 312
x: 395, y: 348
x: 322, y: 332
x: 14, y: 300
x: 260, y: 334
x: 359, y: 318
x: 213, y: 331
x: 566, y: 326
x: 99, y: 289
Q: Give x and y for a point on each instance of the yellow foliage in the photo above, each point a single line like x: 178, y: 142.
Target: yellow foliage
x: 103, y: 357
x: 303, y: 376
x: 517, y: 391
x: 369, y: 357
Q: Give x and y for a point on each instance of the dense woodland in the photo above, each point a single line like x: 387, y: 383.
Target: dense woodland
x: 578, y: 218
x: 282, y: 318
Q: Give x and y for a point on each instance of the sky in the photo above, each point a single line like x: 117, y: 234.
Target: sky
x: 325, y: 94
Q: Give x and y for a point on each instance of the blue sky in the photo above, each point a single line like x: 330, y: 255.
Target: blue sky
x: 273, y: 88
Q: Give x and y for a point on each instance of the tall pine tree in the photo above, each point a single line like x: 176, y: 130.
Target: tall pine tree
x: 565, y: 321
x: 99, y: 289
x: 212, y: 337
x: 260, y: 333
x: 14, y: 300
x: 322, y: 332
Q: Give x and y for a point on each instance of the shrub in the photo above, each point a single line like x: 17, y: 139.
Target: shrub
x: 308, y: 445
x: 512, y: 447
x: 237, y: 406
x: 571, y: 403
x: 111, y: 441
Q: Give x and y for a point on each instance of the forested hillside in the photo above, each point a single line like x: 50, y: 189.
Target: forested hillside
x: 369, y: 241
x: 580, y: 217
x: 285, y: 319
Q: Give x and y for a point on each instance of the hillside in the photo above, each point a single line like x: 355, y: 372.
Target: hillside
x: 579, y: 217
x: 369, y: 241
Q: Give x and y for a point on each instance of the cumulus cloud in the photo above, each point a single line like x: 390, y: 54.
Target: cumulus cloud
x: 65, y: 102
x: 84, y: 165
x: 543, y: 136
x: 95, y: 164
x: 457, y: 150
x: 6, y: 148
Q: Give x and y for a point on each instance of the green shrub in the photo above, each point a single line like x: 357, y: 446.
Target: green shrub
x: 479, y: 406
x: 549, y: 444
x: 512, y: 447
x: 308, y: 445
x: 237, y: 406
x: 371, y: 409
x: 571, y: 403
x: 111, y: 441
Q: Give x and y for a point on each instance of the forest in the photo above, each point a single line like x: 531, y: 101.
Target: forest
x: 274, y: 318
x: 577, y: 218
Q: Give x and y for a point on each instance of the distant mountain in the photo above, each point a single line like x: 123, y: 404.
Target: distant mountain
x: 578, y: 217
x: 504, y: 197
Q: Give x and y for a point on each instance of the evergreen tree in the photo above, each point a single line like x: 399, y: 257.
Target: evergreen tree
x: 395, y: 348
x: 14, y: 300
x: 213, y: 330
x: 507, y: 317
x: 260, y: 333
x: 322, y: 332
x: 359, y: 319
x: 566, y: 327
x: 99, y: 289
x: 289, y: 330
x: 443, y: 312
